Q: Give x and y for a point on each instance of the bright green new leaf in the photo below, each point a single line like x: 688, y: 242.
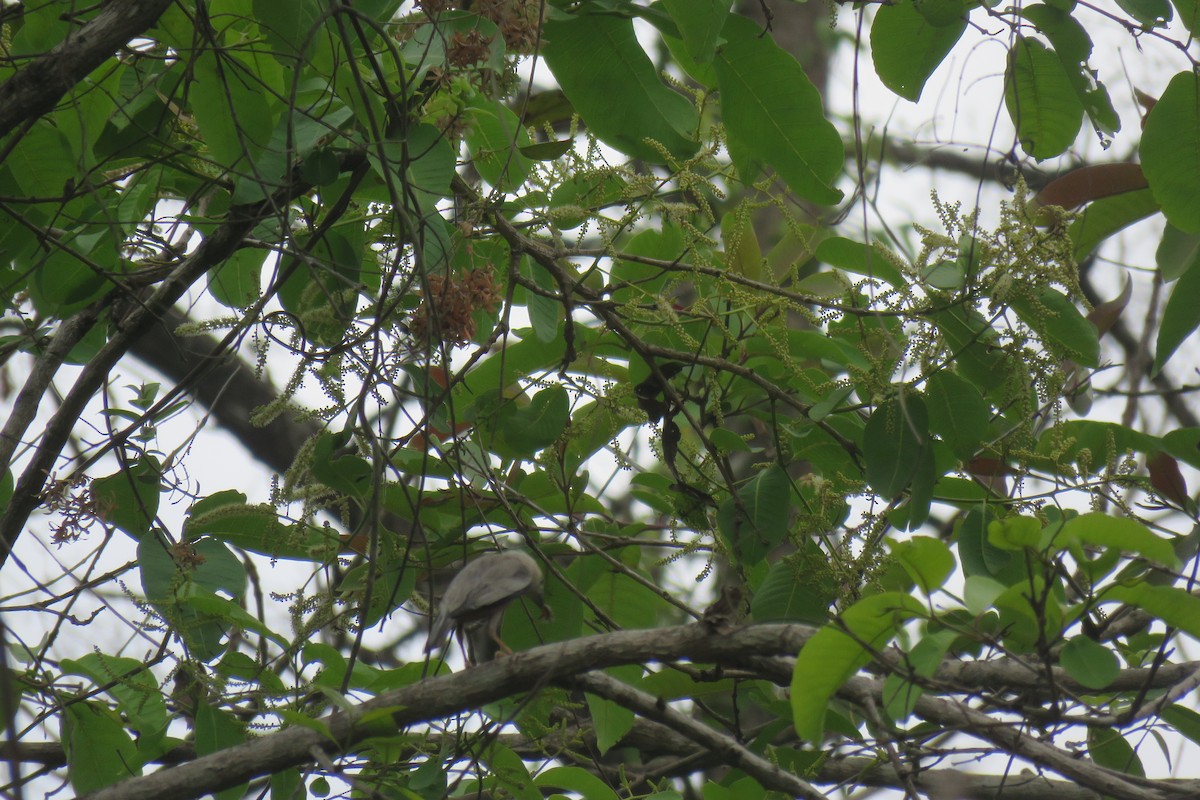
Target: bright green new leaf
x: 1105, y: 530
x: 906, y: 47
x: 1041, y: 99
x: 1176, y: 607
x: 590, y: 54
x: 927, y: 560
x: 1170, y: 151
x: 859, y: 258
x: 1015, y: 533
x: 833, y: 655
x: 773, y: 114
x: 900, y: 695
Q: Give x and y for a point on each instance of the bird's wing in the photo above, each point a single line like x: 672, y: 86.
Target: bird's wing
x: 496, y: 579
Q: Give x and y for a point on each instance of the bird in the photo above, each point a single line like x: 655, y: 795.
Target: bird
x: 480, y: 593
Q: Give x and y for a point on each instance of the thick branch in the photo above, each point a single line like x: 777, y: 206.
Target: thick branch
x: 38, y: 86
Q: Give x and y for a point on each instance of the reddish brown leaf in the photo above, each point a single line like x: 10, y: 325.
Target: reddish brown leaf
x: 1167, y: 480
x: 1090, y: 183
x: 1105, y: 315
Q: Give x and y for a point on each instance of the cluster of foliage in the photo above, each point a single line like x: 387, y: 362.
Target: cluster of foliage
x: 575, y: 276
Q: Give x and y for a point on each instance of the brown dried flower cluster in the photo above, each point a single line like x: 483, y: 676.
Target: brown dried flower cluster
x: 468, y: 48
x: 518, y: 20
x: 445, y: 313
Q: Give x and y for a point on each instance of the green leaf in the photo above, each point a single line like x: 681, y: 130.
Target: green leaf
x: 230, y: 107
x: 1170, y: 151
x: 1180, y: 318
x: 1058, y: 322
x: 231, y: 612
x: 129, y: 498
x: 1016, y: 532
x: 218, y: 730
x: 1105, y: 530
x: 590, y: 54
x: 1074, y: 47
x: 611, y: 720
x: 1089, y: 662
x: 1105, y: 217
x: 546, y: 151
x: 1184, y: 720
x: 1148, y: 13
x: 1041, y: 99
x: 700, y: 23
x: 794, y: 591
x: 859, y: 258
x: 906, y: 48
x: 1108, y: 748
x: 895, y: 439
x: 99, y: 750
x: 41, y: 162
x: 497, y: 140
x: 1177, y: 253
x: 832, y: 655
x: 235, y: 283
x: 900, y: 695
x: 773, y: 114
x: 1173, y: 606
x: 957, y: 412
x: 577, y: 780
x: 758, y: 519
x: 133, y: 685
x: 927, y: 560
x: 1189, y: 13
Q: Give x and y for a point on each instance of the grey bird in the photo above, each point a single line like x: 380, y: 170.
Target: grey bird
x: 481, y: 591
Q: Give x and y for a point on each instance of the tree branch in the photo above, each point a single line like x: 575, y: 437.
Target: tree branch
x: 39, y: 85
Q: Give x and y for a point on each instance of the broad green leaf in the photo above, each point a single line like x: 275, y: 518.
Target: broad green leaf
x: 906, y: 48
x: 508, y: 772
x: 758, y: 518
x: 795, y: 589
x: 133, y: 685
x: 216, y: 730
x: 497, y: 141
x: 895, y: 439
x: 98, y: 748
x: 230, y: 611
x: 231, y: 107
x: 590, y: 54
x: 927, y: 560
x: 577, y: 780
x: 1175, y: 607
x: 700, y: 23
x: 1148, y: 13
x: 1170, y: 151
x: 236, y: 282
x: 1060, y: 324
x: 1092, y: 664
x: 1189, y: 13
x: 980, y: 593
x: 900, y: 695
x: 42, y: 162
x: 832, y: 655
x: 1105, y: 530
x: 1184, y: 720
x: 742, y: 253
x: 859, y: 258
x: 970, y: 340
x: 1177, y: 253
x: 1041, y: 100
x: 1108, y: 748
x: 1016, y: 532
x: 1107, y: 216
x: 129, y: 498
x: 1092, y: 445
x: 1180, y: 318
x: 773, y: 114
x: 1074, y: 47
x: 957, y: 412
x: 612, y: 720
x: 941, y: 13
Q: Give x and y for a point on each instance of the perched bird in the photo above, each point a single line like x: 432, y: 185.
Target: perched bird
x: 481, y: 591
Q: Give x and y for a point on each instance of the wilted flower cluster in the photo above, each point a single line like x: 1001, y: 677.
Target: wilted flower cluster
x: 446, y: 312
